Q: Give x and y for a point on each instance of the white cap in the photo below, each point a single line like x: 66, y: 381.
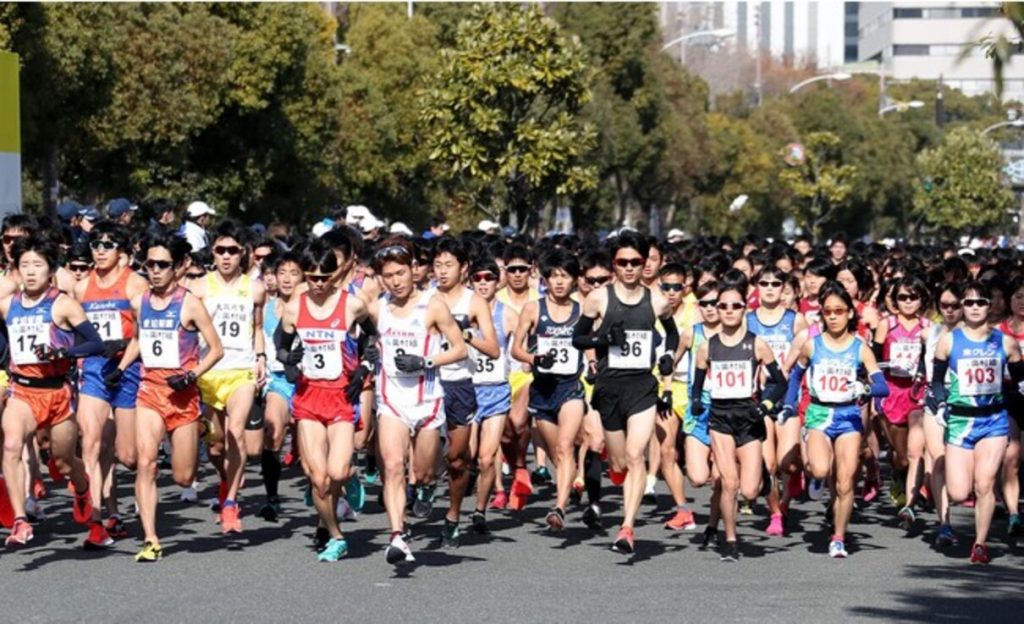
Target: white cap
x: 400, y: 228
x: 489, y: 226
x: 370, y: 223
x: 675, y: 234
x: 323, y: 227
x: 355, y: 214
x: 198, y: 209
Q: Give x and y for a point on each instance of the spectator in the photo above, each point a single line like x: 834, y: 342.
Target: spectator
x: 198, y: 217
x: 121, y: 211
x: 162, y: 221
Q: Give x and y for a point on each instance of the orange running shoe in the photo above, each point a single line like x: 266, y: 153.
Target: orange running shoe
x: 81, y: 506
x: 38, y: 489
x: 229, y: 521
x: 6, y: 511
x: 20, y: 535
x: 516, y: 502
x: 682, y: 521
x: 98, y: 538
x: 222, y: 492
x: 617, y: 478
x: 521, y: 485
x: 623, y: 540
x: 115, y: 527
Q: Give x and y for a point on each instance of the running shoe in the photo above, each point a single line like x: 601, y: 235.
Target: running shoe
x: 33, y: 510
x: 969, y: 503
x: 815, y: 489
x: 38, y: 488
x: 710, y: 535
x: 336, y: 549
x: 979, y: 555
x: 424, y: 502
x: 478, y: 521
x: 556, y: 519
x: 576, y: 493
x: 81, y: 506
x: 682, y: 521
x: 345, y: 512
x: 270, y: 511
x: 229, y: 520
x: 540, y: 476
x: 398, y: 551
x: 729, y: 552
x: 116, y: 527
x: 320, y: 538
x: 55, y: 475
x: 450, y: 534
x: 946, y: 537
x: 837, y: 548
x: 775, y: 526
x: 1013, y: 526
x: 499, y: 501
x: 190, y: 495
x: 98, y: 538
x: 906, y: 517
x: 372, y: 477
x: 150, y: 553
x: 355, y: 494
x: 896, y: 494
x: 617, y: 478
x: 795, y: 485
x: 522, y: 484
x: 592, y: 517
x: 870, y: 490
x: 21, y: 533
x: 650, y: 495
x: 623, y: 540
x: 767, y: 480
x: 746, y: 508
x: 288, y: 459
x: 506, y: 470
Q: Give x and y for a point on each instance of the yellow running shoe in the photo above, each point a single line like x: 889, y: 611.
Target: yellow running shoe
x: 150, y: 552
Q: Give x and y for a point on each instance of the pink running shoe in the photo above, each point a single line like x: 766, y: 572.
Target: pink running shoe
x: 775, y: 528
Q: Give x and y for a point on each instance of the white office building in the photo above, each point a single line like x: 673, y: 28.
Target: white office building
x: 926, y: 39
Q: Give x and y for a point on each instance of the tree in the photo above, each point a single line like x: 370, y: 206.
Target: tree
x: 502, y: 115
x: 821, y: 183
x: 963, y: 189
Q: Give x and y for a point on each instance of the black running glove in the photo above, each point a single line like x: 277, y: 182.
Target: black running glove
x: 182, y: 381
x: 113, y: 379
x: 666, y: 365
x: 112, y: 347
x: 664, y: 406
x: 616, y: 334
x: 408, y: 363
x: 355, y: 384
x: 545, y: 360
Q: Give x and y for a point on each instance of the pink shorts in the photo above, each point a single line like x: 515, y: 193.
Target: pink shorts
x: 902, y: 400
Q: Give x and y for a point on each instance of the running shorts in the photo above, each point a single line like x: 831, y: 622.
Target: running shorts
x: 459, y: 402
x: 680, y: 397
x: 833, y: 421
x: 618, y: 398
x: 967, y: 431
x: 177, y: 408
x: 50, y: 406
x: 902, y: 400
x: 492, y: 400
x: 278, y: 384
x: 91, y: 382
x: 423, y: 417
x: 217, y: 386
x: 697, y: 426
x: 327, y: 405
x: 743, y: 423
x: 519, y: 380
x: 549, y: 394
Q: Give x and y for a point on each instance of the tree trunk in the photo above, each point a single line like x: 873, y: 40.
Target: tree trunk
x: 51, y: 183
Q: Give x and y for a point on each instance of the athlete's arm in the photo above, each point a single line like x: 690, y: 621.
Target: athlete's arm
x: 439, y: 317
x: 799, y: 325
x: 881, y: 333
x: 775, y: 388
x: 700, y: 373
x: 879, y: 388
x: 527, y: 320
x: 583, y: 336
x: 1013, y: 361
x: 487, y: 343
x: 259, y: 297
x: 796, y: 349
x: 801, y: 358
x: 193, y: 313
x: 65, y: 280
x: 79, y: 290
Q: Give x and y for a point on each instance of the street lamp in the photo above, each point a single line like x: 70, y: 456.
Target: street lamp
x: 717, y: 34
x: 900, y: 106
x: 840, y: 76
x: 1016, y: 123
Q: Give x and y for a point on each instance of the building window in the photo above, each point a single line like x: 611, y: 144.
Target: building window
x: 851, y: 8
x: 850, y: 29
x: 850, y: 54
x: 943, y: 13
x: 907, y: 13
x: 980, y: 11
x: 908, y: 49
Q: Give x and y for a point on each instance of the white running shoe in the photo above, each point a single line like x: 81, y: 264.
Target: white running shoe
x: 34, y: 510
x: 398, y: 552
x: 651, y: 482
x: 345, y: 512
x: 815, y: 489
x: 837, y: 549
x: 190, y: 495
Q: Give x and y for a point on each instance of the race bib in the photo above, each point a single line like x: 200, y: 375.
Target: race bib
x: 979, y: 376
x: 395, y: 345
x: 732, y: 379
x: 634, y: 353
x: 232, y: 320
x: 107, y: 323
x: 904, y: 358
x: 159, y: 348
x: 322, y: 360
x: 487, y: 370
x: 567, y: 357
x: 779, y: 345
x: 25, y: 337
x: 832, y: 382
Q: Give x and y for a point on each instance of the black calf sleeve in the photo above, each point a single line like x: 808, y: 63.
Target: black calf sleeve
x: 592, y: 476
x: 271, y: 465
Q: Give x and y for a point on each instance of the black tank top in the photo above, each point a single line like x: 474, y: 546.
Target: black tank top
x: 550, y: 335
x: 636, y: 356
x: 732, y: 372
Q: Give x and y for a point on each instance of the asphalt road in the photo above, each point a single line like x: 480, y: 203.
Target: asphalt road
x: 518, y: 573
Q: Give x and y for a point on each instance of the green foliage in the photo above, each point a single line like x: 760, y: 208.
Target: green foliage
x: 821, y: 184
x: 501, y: 115
x: 966, y: 190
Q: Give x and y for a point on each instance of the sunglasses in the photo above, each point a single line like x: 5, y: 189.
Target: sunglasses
x: 102, y: 244
x: 707, y: 303
x: 517, y: 268
x: 769, y: 284
x: 79, y: 267
x: 622, y: 263
x: 671, y: 288
x: 834, y: 311
x: 10, y: 239
x: 227, y: 250
x: 980, y: 302
x: 195, y: 275
x: 262, y: 256
x: 159, y: 264
x: 736, y: 305
x: 319, y: 277
x: 392, y: 250
x: 598, y: 281
x: 485, y: 276
x: 949, y: 305
x: 908, y: 297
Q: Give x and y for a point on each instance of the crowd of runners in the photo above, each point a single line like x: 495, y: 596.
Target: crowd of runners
x: 758, y: 369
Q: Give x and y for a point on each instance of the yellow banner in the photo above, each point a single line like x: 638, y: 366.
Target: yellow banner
x: 10, y: 128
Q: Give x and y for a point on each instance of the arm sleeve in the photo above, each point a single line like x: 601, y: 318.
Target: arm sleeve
x: 90, y: 344
x: 671, y: 334
x: 367, y: 327
x: 1016, y: 371
x: 796, y: 375
x: 877, y: 349
x: 697, y: 390
x: 879, y: 388
x: 582, y: 337
x: 939, y: 370
x: 282, y: 339
x: 776, y: 388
